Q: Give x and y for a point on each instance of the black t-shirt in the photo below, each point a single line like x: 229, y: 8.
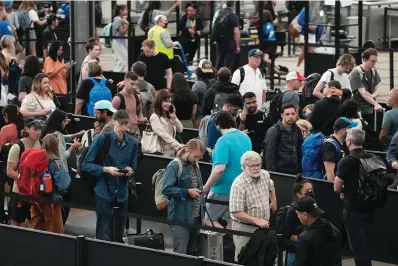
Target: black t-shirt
x: 83, y: 92
x: 48, y: 37
x: 155, y: 69
x: 329, y: 151
x: 184, y: 108
x: 347, y: 170
x: 293, y: 226
x: 257, y: 125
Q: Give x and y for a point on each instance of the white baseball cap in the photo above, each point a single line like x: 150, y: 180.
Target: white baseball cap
x: 295, y: 75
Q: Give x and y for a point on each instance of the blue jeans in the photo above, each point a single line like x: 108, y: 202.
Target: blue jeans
x: 104, y: 230
x: 185, y: 240
x: 290, y: 258
x: 358, y: 227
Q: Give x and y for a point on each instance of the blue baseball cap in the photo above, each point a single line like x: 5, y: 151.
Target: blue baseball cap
x: 255, y: 52
x: 104, y: 105
x: 344, y: 122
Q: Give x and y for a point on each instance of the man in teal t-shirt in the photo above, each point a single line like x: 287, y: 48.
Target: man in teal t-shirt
x: 226, y: 166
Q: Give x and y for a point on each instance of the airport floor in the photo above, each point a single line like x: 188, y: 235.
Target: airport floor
x: 82, y: 222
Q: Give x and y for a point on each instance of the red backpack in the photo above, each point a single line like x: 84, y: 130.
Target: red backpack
x: 34, y: 178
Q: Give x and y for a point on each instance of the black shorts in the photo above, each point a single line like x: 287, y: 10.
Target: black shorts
x: 19, y: 210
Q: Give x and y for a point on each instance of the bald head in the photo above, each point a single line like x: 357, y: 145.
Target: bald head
x: 392, y: 98
x: 161, y: 20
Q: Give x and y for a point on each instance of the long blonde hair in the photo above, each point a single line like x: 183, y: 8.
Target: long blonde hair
x: 51, y: 145
x: 193, y: 144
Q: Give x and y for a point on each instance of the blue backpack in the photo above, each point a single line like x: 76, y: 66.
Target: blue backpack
x: 98, y: 92
x: 312, y: 155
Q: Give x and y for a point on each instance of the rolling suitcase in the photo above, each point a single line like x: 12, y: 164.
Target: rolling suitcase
x: 211, y: 245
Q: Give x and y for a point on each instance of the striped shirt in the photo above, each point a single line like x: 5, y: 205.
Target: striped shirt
x: 251, y: 196
x: 195, y: 184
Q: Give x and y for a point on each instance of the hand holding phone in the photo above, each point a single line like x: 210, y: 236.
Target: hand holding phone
x: 123, y: 171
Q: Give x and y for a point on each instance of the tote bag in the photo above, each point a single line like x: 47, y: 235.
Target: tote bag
x: 149, y: 140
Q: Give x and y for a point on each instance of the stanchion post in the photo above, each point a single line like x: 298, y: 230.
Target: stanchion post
x: 337, y: 29
x: 129, y: 36
x: 138, y: 226
x: 177, y: 18
x: 360, y: 23
x: 261, y: 18
x: 212, y: 10
x: 2, y: 214
x: 116, y: 216
x: 80, y: 251
x: 385, y: 22
x: 306, y: 22
x: 279, y: 248
x: 391, y: 69
x: 72, y: 75
x: 272, y: 73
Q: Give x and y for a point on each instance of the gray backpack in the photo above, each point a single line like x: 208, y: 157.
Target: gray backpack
x: 203, y: 129
x: 220, y: 99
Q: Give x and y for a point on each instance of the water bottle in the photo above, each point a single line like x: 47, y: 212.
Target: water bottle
x: 47, y: 185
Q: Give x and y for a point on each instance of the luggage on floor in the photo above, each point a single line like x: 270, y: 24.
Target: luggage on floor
x: 211, y: 245
x: 148, y: 239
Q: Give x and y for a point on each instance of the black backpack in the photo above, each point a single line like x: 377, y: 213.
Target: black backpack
x: 122, y: 105
x: 221, y: 30
x: 259, y: 251
x: 372, y: 182
x: 281, y: 219
x: 275, y: 107
x: 87, y: 178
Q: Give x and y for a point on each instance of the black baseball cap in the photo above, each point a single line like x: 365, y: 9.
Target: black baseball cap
x: 344, y: 122
x: 121, y: 116
x: 308, y: 205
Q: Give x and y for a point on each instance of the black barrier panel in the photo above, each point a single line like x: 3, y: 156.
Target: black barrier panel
x: 79, y: 123
x: 30, y: 247
x: 100, y: 253
x: 116, y: 77
x: 188, y: 133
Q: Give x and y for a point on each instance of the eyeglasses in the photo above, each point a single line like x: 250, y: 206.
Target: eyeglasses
x: 254, y: 166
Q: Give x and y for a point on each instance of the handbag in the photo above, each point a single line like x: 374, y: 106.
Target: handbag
x: 148, y: 239
x: 149, y: 140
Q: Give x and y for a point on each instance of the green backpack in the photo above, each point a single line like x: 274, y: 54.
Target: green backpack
x: 107, y: 32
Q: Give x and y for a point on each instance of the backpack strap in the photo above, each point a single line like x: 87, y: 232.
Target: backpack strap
x: 94, y: 81
x: 178, y: 160
x: 331, y: 75
x: 103, y: 82
x: 89, y: 137
x: 242, y: 75
x: 122, y: 105
x: 106, y: 146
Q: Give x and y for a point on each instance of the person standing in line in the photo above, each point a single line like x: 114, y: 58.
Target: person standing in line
x: 184, y: 194
x: 253, y: 78
x: 229, y: 46
x: 93, y: 49
x: 114, y: 172
x: 226, y: 167
x: 344, y: 65
x: 358, y: 218
x: 366, y: 85
x: 49, y: 34
x: 390, y: 120
x: 120, y: 27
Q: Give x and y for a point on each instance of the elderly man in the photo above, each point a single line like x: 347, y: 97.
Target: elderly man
x: 249, y: 200
x: 161, y: 36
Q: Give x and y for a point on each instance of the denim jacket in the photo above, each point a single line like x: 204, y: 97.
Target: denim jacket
x: 60, y: 177
x: 121, y: 155
x: 181, y: 205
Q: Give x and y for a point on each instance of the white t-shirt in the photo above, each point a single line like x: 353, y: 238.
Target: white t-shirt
x: 33, y: 15
x: 254, y: 82
x: 343, y: 78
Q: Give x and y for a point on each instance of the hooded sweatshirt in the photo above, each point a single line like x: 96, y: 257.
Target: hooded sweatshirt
x: 319, y: 245
x: 218, y: 87
x: 325, y: 113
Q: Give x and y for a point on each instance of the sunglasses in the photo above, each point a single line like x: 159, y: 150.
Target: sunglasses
x: 35, y: 122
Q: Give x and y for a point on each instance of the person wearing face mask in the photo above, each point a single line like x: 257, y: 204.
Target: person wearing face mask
x: 344, y: 65
x: 327, y: 110
x: 253, y: 121
x: 292, y: 226
x: 283, y: 141
x: 185, y: 200
x: 162, y: 38
x: 249, y: 201
x: 319, y: 244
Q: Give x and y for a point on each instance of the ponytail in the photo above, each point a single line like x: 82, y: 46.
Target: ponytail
x: 192, y: 144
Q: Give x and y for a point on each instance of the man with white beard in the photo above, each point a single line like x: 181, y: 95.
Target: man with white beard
x: 250, y: 197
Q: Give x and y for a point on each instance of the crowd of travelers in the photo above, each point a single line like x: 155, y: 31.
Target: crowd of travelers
x: 245, y: 130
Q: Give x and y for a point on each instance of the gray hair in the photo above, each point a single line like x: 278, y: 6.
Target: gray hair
x: 249, y: 156
x: 357, y: 136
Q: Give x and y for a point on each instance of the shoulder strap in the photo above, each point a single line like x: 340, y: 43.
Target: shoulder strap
x: 89, y: 137
x: 122, y: 101
x: 331, y: 75
x: 94, y: 81
x: 242, y: 75
x: 21, y: 147
x: 179, y: 166
x: 103, y: 82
